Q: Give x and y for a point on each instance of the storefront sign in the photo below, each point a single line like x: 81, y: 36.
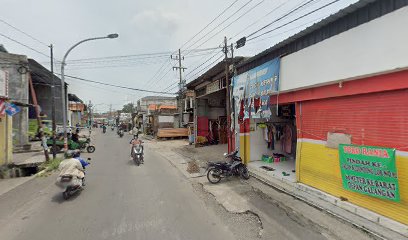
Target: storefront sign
x: 258, y: 84
x: 369, y: 170
x: 213, y: 87
x: 3, y: 83
x: 260, y: 81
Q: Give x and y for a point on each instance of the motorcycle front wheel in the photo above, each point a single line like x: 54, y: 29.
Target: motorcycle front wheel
x: 90, y: 149
x: 243, y: 172
x: 214, y: 175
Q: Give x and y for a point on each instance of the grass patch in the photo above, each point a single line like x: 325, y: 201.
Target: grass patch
x: 51, y: 165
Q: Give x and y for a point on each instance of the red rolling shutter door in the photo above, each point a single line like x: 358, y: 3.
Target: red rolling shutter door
x: 376, y: 119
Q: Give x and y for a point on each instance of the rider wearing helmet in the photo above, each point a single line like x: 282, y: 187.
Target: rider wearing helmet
x: 71, y: 166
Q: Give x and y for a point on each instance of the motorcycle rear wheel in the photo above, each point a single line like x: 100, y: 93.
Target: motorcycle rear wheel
x: 90, y: 149
x: 65, y: 195
x: 213, y: 175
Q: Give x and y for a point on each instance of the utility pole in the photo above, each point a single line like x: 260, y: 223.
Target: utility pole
x: 54, y: 125
x: 232, y: 103
x: 110, y: 110
x: 181, y: 84
x: 227, y: 94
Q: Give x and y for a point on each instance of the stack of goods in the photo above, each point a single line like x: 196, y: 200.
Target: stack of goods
x: 276, y: 157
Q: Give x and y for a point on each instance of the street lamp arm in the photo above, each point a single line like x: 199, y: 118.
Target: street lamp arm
x: 78, y: 43
x: 64, y: 100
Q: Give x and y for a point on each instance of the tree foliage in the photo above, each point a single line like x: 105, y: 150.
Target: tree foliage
x: 128, y: 108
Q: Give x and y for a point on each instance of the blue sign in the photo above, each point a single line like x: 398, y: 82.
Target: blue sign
x: 12, y: 109
x: 256, y: 85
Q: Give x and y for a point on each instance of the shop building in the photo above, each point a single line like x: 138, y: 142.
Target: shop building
x: 340, y: 81
x: 210, y: 97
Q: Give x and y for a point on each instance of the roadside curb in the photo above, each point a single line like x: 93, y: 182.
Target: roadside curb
x: 374, y: 229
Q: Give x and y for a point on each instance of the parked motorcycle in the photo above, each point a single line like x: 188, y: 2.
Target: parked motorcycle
x: 137, y: 154
x: 72, y: 145
x: 234, y: 167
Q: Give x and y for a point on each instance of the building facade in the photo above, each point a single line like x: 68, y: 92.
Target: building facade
x: 341, y: 84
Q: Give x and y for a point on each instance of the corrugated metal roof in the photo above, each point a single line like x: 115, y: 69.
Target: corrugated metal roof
x: 383, y: 8
x: 215, y: 70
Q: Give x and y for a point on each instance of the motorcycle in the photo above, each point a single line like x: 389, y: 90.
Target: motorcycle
x: 218, y: 170
x: 104, y: 130
x: 121, y: 133
x: 137, y: 154
x: 72, y: 145
x: 72, y: 184
x: 112, y: 128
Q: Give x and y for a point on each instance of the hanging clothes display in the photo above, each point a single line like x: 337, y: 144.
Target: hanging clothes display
x: 287, y: 139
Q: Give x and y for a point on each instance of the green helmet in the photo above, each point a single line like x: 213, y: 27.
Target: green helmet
x: 69, y: 154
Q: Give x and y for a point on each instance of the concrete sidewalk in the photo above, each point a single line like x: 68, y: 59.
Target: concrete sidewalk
x: 9, y: 184
x: 231, y: 194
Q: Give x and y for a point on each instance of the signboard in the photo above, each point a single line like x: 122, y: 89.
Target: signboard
x: 258, y: 83
x: 213, y: 87
x: 369, y: 170
x: 3, y: 84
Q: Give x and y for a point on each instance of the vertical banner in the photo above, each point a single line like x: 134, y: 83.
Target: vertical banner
x: 370, y: 171
x: 3, y: 84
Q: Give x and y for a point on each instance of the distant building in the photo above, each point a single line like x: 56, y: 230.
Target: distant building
x: 143, y: 103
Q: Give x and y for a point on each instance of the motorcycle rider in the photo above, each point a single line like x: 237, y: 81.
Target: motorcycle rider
x: 133, y: 143
x: 71, y: 166
x: 77, y: 155
x: 135, y: 132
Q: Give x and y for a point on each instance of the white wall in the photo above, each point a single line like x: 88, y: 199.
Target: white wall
x: 380, y: 45
x: 166, y: 119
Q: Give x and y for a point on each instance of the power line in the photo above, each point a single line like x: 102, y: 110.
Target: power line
x: 278, y: 19
x: 189, y: 73
x: 259, y: 19
x: 21, y: 31
x: 249, y: 10
x: 243, y: 6
x: 135, y: 56
x: 22, y: 44
x: 205, y: 68
x: 159, y: 73
x: 299, y: 26
x: 219, y: 15
x: 294, y: 20
x: 113, y: 85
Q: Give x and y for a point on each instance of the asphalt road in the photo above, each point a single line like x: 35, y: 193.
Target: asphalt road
x: 121, y: 201
x: 152, y: 201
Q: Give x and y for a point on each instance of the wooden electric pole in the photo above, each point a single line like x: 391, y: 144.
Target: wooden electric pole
x: 54, y: 125
x: 227, y: 83
x: 181, y: 84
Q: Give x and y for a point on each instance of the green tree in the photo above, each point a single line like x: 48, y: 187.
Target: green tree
x: 128, y: 108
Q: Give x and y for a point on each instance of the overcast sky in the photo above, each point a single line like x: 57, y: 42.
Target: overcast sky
x: 154, y: 26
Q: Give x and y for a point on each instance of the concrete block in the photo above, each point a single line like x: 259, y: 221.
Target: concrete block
x: 367, y: 214
x: 347, y: 206
x: 394, y: 225
x: 317, y: 193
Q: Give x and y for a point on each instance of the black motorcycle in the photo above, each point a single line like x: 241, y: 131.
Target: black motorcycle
x: 234, y: 167
x: 137, y: 154
x: 121, y: 133
x: 71, y: 184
